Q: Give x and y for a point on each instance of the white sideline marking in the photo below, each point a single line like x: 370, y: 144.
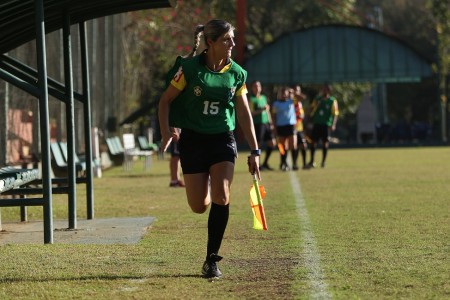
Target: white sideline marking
x: 311, y: 254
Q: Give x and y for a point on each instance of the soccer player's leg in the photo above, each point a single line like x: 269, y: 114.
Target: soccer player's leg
x: 221, y: 177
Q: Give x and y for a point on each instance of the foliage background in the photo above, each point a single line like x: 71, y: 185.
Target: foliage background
x: 154, y: 38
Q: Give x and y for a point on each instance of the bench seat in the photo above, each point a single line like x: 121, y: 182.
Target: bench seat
x: 11, y: 177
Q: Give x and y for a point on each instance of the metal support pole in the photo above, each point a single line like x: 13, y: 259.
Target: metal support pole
x: 44, y: 121
x: 4, y: 121
x: 4, y: 125
x: 23, y: 212
x: 87, y: 123
x: 447, y: 108
x: 70, y: 122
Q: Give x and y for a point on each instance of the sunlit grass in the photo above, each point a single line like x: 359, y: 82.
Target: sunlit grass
x: 380, y: 219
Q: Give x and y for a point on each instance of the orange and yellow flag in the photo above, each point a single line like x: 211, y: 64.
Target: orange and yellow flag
x: 257, y: 194
x: 281, y: 148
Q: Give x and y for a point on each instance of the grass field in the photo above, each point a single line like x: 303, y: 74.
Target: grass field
x: 375, y: 224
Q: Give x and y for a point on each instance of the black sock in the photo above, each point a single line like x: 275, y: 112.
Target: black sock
x: 304, y: 156
x: 294, y: 156
x: 283, y: 159
x: 268, y: 152
x: 313, y: 151
x: 324, y: 157
x: 217, y: 223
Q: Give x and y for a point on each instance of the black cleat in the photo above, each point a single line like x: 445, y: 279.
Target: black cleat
x: 284, y: 167
x: 210, y: 269
x: 265, y: 167
x: 311, y: 165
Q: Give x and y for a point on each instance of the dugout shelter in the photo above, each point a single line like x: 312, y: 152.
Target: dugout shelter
x: 338, y: 53
x: 22, y: 21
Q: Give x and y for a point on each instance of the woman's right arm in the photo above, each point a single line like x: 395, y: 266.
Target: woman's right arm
x: 163, y: 111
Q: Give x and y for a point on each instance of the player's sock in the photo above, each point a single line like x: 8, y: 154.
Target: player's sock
x: 294, y: 156
x: 304, y: 156
x: 324, y: 156
x: 283, y: 159
x: 313, y: 152
x: 268, y: 153
x: 217, y: 223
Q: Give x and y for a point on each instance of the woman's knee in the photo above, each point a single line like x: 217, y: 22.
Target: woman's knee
x: 199, y: 204
x: 221, y: 198
x: 198, y: 209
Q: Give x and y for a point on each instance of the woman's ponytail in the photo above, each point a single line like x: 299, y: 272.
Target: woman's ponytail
x: 197, y: 34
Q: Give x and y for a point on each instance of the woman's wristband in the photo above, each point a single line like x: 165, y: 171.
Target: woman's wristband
x: 256, y: 152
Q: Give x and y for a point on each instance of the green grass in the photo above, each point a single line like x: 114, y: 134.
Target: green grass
x: 380, y: 217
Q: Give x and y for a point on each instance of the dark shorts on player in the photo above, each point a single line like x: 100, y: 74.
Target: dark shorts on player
x: 320, y: 132
x: 263, y: 133
x: 286, y: 130
x: 199, y: 151
x: 301, y: 137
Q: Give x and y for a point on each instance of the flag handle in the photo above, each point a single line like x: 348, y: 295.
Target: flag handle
x: 258, y: 192
x: 254, y: 177
x: 259, y: 200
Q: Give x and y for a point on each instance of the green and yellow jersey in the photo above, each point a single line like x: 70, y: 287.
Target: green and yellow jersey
x: 324, y: 110
x: 259, y: 103
x: 207, y: 101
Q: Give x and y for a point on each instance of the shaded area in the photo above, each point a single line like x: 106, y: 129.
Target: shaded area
x: 144, y: 110
x: 23, y: 21
x: 17, y: 17
x: 96, y: 231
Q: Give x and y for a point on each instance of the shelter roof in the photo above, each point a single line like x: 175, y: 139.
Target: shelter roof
x: 17, y: 17
x: 337, y: 53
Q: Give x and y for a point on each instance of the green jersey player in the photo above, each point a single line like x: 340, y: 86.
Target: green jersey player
x: 205, y: 96
x: 324, y: 114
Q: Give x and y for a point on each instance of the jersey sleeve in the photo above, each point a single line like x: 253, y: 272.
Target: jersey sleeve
x: 178, y: 80
x: 335, y: 109
x: 314, y: 106
x: 242, y: 91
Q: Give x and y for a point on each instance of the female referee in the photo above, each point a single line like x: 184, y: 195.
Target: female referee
x: 209, y: 91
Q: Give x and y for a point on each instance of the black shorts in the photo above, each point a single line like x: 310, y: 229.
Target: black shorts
x: 320, y: 132
x: 301, y: 136
x: 263, y: 133
x: 199, y: 151
x: 286, y: 130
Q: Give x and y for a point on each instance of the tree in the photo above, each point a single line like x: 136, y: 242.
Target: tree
x: 441, y: 14
x: 155, y: 38
x: 267, y: 19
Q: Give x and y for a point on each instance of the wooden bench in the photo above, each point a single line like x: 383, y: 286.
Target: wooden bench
x: 79, y: 165
x: 6, y: 182
x: 13, y: 179
x: 145, y: 145
x: 59, y: 165
x: 115, y: 150
x: 25, y: 182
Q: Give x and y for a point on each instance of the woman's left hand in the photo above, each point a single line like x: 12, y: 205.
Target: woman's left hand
x: 253, y: 165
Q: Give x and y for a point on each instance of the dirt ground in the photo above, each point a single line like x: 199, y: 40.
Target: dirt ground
x: 97, y: 231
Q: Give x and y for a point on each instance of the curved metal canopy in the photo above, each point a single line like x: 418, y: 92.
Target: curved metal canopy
x: 17, y: 17
x: 337, y: 53
x: 22, y: 21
